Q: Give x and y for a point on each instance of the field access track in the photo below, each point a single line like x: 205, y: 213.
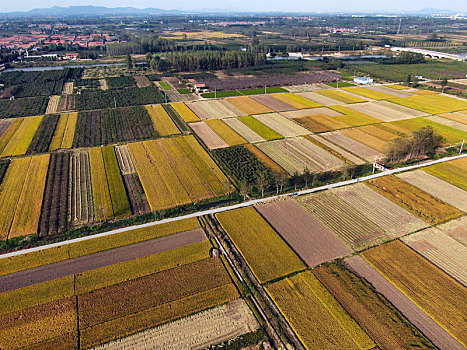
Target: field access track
x: 85, y: 263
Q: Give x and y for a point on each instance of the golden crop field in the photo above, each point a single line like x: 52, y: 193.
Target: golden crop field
x: 452, y: 172
x: 265, y: 252
x: 397, y: 87
x: 296, y: 101
x: 317, y: 318
x: 436, y: 293
x: 321, y: 123
x: 162, y: 122
x: 28, y: 210
x: 64, y: 132
x: 353, y: 117
x: 100, y: 187
x: 341, y: 96
x: 432, y: 104
x: 19, y: 142
x: 6, y: 137
x: 422, y: 204
x: 226, y: 132
x: 361, y: 136
x: 369, y: 93
x: 183, y: 111
x: 248, y: 105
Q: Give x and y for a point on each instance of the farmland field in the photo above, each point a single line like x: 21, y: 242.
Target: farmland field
x: 420, y: 203
x: 363, y: 151
x: 124, y: 160
x: 281, y: 125
x: 265, y: 252
x: 299, y: 113
x: 432, y: 104
x: 17, y: 143
x: 263, y: 158
x: 162, y: 122
x: 44, y: 134
x: 353, y: 117
x: 183, y: 111
x: 432, y: 330
x: 259, y: 128
x: 436, y: 187
x: 322, y: 99
x: 340, y: 95
x: 138, y: 201
x: 272, y: 103
x: 306, y: 235
x: 296, y: 101
x: 352, y: 227
x: 372, y: 141
x: 452, y: 172
x: 23, y: 107
x: 448, y: 122
x: 442, y: 250
x: 335, y: 150
x: 296, y: 154
x: 391, y: 91
x: 386, y: 111
x: 243, y: 130
x: 210, y: 138
x: 440, y: 296
x: 100, y: 187
x: 457, y: 229
x: 320, y: 123
x: 383, y: 323
x: 393, y: 219
x: 214, y: 109
x: 317, y: 318
x: 226, y: 132
x: 460, y: 117
x: 248, y: 105
x: 64, y: 132
x: 369, y: 93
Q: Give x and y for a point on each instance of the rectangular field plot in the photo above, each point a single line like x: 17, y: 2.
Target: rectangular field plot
x: 272, y: 103
x: 263, y: 158
x: 457, y: 229
x: 436, y: 293
x: 308, y: 237
x: 352, y: 227
x: 460, y: 117
x: 341, y: 96
x: 335, y: 150
x: 248, y: 105
x: 259, y: 128
x: 354, y: 118
x: 311, y: 112
x: 183, y: 111
x: 386, y: 111
x: 177, y: 171
x: 448, y: 122
x: 321, y: 123
x: 16, y: 140
x: 162, y: 122
x: 388, y: 328
x: 296, y: 101
x: 212, y: 327
x: 266, y: 253
x: 369, y: 93
x: 282, y: 125
x: 371, y: 141
x: 243, y: 130
x: 81, y: 209
x: 442, y: 250
x: 213, y: 109
x: 210, y: 138
x: 432, y: 330
x: 452, y: 172
x: 226, y: 132
x: 316, y: 317
x: 64, y: 132
x: 393, y: 92
x: 321, y: 99
x: 437, y: 188
x: 393, y: 219
x: 363, y: 151
x: 294, y: 155
x: 432, y: 104
x: 420, y: 203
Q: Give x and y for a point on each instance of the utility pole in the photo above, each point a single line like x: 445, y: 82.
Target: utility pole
x: 265, y: 89
x: 215, y: 93
x: 399, y: 29
x: 462, y: 146
x: 115, y: 102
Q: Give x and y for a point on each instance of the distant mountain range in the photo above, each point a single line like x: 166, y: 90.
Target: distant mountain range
x: 90, y: 10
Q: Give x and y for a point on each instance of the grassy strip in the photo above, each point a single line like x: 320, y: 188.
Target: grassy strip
x: 184, y: 91
x: 221, y: 94
x: 340, y: 84
x: 226, y: 132
x: 176, y: 117
x: 259, y: 91
x: 165, y: 85
x: 262, y: 130
x: 100, y: 187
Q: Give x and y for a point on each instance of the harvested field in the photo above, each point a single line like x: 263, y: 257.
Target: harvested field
x: 263, y: 158
x: 438, y: 188
x: 321, y: 98
x: 4, y: 125
x: 138, y: 201
x: 225, y: 132
x: 68, y: 88
x: 124, y: 160
x: 162, y: 122
x: 451, y: 123
x: 432, y: 104
x: 81, y: 205
x: 52, y: 106
x: 397, y: 86
x: 321, y: 123
x: 317, y: 318
x: 440, y: 296
x: 306, y: 235
x: 367, y: 139
x: 394, y: 220
x: 393, y: 92
x: 259, y: 128
x: 340, y: 95
x: 183, y: 111
x: 248, y: 105
x: 209, y: 137
x: 357, y: 148
x: 456, y: 116
x: 335, y: 150
x: 353, y: 117
x: 243, y: 130
x: 296, y: 101
x: 311, y: 112
x: 369, y: 93
x: 53, y: 218
x: 386, y: 111
x: 282, y: 125
x: 380, y: 132
x: 432, y: 330
x: 142, y: 81
x: 266, y: 253
x: 352, y: 227
x: 67, y: 103
x: 272, y: 103
x: 442, y: 250
x: 100, y: 187
x: 211, y: 109
x: 457, y: 229
x: 64, y: 132
x: 452, y: 172
x: 421, y: 203
x: 198, y: 331
x: 29, y: 328
x: 381, y: 321
x: 294, y: 155
x: 16, y: 142
x: 28, y: 208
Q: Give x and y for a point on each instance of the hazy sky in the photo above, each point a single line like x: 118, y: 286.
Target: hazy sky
x: 252, y: 5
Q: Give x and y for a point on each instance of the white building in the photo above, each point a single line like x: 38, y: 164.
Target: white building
x: 363, y: 80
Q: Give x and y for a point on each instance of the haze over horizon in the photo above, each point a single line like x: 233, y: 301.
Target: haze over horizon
x: 363, y: 6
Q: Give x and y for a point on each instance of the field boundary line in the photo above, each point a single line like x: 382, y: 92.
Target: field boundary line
x: 234, y: 206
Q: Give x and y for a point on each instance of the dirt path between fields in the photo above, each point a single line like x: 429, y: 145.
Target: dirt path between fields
x: 85, y: 263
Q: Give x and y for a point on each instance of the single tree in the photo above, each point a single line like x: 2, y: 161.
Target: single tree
x: 444, y: 82
x: 262, y: 182
x: 409, y: 79
x: 129, y: 62
x: 244, y: 188
x: 307, y: 176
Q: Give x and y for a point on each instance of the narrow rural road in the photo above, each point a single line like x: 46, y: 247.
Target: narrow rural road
x: 235, y: 206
